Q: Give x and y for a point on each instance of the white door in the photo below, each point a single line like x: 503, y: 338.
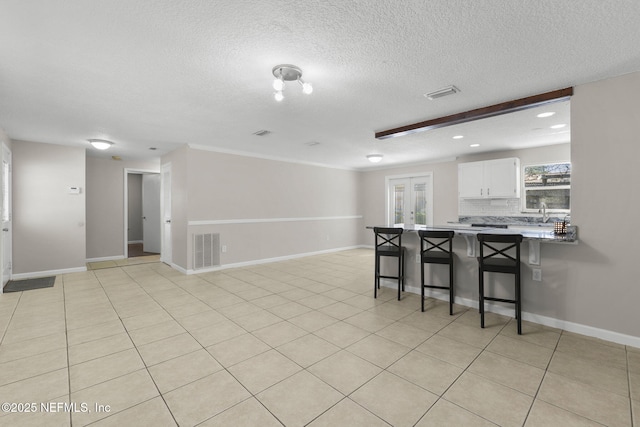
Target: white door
x: 165, y: 202
x: 151, y: 213
x: 410, y: 201
x: 5, y: 207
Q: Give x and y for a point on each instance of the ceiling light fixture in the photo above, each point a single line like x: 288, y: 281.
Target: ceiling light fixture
x: 474, y: 145
x: 445, y: 91
x: 374, y: 158
x: 559, y: 126
x: 288, y: 73
x: 100, y: 144
x: 547, y: 114
x: 458, y: 137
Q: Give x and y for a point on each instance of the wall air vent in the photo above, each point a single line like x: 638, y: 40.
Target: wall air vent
x: 206, y: 250
x: 262, y: 132
x: 449, y: 90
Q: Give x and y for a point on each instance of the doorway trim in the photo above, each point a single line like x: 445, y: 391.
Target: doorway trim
x: 125, y: 213
x: 6, y: 236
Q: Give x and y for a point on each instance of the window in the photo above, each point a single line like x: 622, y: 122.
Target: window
x: 548, y: 183
x: 410, y: 201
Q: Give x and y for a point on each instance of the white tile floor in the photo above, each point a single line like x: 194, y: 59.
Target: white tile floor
x: 293, y: 343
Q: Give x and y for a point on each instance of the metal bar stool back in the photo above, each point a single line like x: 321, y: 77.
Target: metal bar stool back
x: 500, y: 253
x: 389, y: 244
x: 436, y: 247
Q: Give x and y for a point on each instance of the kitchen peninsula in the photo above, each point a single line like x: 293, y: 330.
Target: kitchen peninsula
x: 465, y: 257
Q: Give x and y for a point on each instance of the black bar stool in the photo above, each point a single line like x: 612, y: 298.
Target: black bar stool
x: 497, y: 256
x: 436, y: 248
x: 389, y: 243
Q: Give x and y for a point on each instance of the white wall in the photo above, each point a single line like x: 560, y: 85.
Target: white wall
x: 601, y: 287
x: 49, y: 233
x: 105, y: 204
x: 266, y: 206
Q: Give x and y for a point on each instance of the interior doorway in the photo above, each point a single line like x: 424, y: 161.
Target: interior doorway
x: 142, y: 213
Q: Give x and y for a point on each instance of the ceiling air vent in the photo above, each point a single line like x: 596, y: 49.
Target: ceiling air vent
x: 262, y: 132
x: 449, y: 90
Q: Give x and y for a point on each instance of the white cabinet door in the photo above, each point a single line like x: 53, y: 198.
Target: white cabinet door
x: 471, y: 180
x: 490, y: 179
x: 501, y: 178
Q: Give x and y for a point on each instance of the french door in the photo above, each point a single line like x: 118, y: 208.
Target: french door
x: 410, y: 201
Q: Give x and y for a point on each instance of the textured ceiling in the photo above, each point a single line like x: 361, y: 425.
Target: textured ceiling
x: 162, y: 73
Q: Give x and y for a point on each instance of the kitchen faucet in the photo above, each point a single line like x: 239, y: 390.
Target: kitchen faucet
x: 543, y: 209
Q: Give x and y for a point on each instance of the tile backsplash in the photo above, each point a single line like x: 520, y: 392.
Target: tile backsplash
x: 488, y: 207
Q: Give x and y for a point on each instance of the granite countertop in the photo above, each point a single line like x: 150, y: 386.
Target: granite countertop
x: 533, y: 232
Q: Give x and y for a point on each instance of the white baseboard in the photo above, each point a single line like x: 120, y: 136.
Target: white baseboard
x: 267, y: 260
x: 106, y: 258
x: 36, y: 274
x: 577, y: 328
x: 180, y: 269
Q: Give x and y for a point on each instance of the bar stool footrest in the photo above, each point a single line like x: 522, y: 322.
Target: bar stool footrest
x: 436, y: 287
x: 512, y: 301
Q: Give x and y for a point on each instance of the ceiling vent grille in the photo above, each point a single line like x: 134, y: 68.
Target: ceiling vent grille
x: 262, y: 132
x: 445, y: 91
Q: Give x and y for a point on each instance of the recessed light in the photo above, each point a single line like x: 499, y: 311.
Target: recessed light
x: 458, y: 137
x: 547, y: 114
x: 474, y: 145
x: 262, y: 132
x: 560, y: 126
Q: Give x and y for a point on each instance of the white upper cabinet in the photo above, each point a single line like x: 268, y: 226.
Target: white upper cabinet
x: 491, y: 179
x: 471, y: 180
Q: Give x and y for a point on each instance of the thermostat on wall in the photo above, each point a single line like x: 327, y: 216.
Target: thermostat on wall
x: 74, y: 190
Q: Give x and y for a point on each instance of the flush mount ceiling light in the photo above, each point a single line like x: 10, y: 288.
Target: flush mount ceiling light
x: 288, y: 73
x: 458, y: 137
x: 445, y: 91
x: 547, y: 114
x: 374, y: 158
x: 559, y: 126
x: 100, y: 144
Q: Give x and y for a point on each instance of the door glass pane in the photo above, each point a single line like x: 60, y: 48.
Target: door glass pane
x: 420, y: 201
x: 398, y: 203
